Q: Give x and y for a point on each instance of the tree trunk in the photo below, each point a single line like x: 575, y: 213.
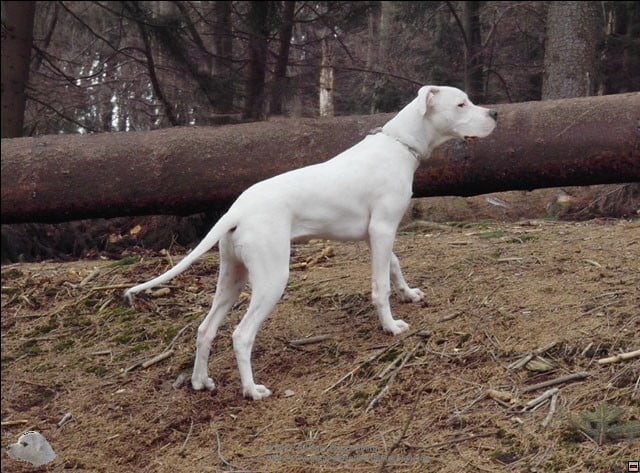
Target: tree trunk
x: 473, y: 58
x: 186, y: 170
x: 326, y: 82
x: 153, y: 76
x: 369, y: 81
x: 573, y: 33
x: 223, y: 50
x: 254, y: 108
x: 280, y: 73
x: 17, y: 39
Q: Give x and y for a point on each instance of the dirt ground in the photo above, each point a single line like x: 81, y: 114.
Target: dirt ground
x: 359, y: 400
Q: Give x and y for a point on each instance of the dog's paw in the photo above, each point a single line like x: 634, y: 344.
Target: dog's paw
x: 256, y: 392
x: 397, y: 327
x: 127, y: 298
x: 411, y: 295
x: 203, y: 383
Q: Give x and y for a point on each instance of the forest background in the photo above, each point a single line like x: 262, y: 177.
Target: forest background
x: 91, y: 67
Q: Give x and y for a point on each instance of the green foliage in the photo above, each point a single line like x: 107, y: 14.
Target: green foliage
x: 605, y: 423
x: 99, y: 371
x: 488, y: 235
x: 125, y: 261
x: 12, y: 274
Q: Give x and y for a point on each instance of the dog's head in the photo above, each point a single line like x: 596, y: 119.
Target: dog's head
x: 452, y: 115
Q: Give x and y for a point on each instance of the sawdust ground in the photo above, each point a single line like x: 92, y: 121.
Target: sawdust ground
x: 504, y: 288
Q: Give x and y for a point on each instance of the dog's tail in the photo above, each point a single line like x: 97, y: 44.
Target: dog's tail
x: 226, y: 223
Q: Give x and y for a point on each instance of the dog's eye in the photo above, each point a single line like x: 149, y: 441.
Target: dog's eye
x: 24, y: 444
x: 461, y: 105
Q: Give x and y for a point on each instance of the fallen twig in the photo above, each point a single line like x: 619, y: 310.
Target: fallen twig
x: 325, y: 254
x: 113, y: 286
x: 540, y: 399
x: 405, y: 427
x: 450, y: 442
x: 309, y: 340
x: 66, y: 418
x: 451, y: 316
x: 91, y: 275
x: 509, y: 260
x: 592, y: 262
x: 167, y: 256
x: 132, y: 367
x: 184, y: 444
x: 552, y: 382
x: 361, y: 365
x: 101, y: 352
x: 157, y: 359
x: 13, y: 423
x: 177, y: 335
x: 220, y: 453
x: 384, y: 390
x: 527, y: 358
x: 586, y: 349
x: 552, y: 409
x: 388, y: 368
x: 619, y: 357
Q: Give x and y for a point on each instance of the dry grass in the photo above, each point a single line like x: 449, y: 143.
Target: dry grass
x: 495, y: 292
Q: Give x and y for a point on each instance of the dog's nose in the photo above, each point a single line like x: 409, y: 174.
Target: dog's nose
x: 493, y: 114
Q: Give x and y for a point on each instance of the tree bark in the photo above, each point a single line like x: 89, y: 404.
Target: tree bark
x: 17, y: 39
x: 223, y: 49
x: 153, y: 76
x: 326, y: 82
x: 258, y: 33
x: 591, y: 140
x: 473, y: 57
x: 280, y: 73
x: 573, y: 32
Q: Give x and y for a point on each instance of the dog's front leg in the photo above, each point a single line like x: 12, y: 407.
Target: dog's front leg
x: 381, y: 236
x: 404, y: 292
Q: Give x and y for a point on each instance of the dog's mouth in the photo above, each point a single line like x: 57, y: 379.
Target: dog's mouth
x: 470, y: 139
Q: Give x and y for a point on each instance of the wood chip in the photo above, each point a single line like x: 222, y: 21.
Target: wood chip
x: 503, y: 396
x: 165, y: 291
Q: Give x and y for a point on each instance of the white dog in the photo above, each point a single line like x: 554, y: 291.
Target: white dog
x: 361, y: 194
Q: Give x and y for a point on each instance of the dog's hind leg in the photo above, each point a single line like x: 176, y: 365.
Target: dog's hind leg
x: 404, y: 292
x: 231, y: 279
x: 268, y: 264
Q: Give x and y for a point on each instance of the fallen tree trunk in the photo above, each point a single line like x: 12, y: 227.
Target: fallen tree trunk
x: 593, y: 140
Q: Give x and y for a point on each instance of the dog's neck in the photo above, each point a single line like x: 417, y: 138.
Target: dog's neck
x: 415, y: 134
x: 414, y: 152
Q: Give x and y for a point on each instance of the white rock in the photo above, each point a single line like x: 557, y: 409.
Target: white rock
x: 32, y: 447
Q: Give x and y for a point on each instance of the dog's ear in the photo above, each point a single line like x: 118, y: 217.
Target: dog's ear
x: 425, y: 97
